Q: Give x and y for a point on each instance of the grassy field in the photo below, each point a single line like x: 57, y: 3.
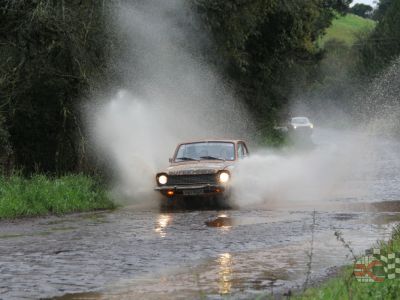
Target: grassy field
x: 347, y: 287
x: 41, y: 195
x: 346, y: 28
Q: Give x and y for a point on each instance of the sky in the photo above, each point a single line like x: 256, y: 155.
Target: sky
x: 369, y: 2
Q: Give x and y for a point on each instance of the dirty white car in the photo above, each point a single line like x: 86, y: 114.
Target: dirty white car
x: 201, y: 169
x: 301, y: 125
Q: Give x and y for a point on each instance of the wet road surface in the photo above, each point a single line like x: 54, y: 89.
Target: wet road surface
x: 148, y: 254
x: 176, y: 255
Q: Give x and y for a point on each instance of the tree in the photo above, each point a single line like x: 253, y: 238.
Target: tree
x: 5, y: 149
x: 53, y: 51
x: 362, y: 10
x: 382, y: 46
x: 381, y: 9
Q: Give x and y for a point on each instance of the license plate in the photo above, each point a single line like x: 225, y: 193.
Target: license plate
x: 193, y: 192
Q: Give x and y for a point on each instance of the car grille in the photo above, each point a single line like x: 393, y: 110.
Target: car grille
x: 192, y: 179
x: 303, y: 128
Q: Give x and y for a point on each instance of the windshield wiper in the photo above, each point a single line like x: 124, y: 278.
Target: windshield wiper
x: 211, y: 157
x: 185, y: 158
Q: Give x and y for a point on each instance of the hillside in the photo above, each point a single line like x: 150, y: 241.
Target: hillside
x: 345, y: 28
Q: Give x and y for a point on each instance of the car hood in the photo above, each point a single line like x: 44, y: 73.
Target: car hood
x: 198, y: 167
x: 302, y: 125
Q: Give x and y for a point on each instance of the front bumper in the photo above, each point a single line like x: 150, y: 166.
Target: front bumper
x: 302, y: 130
x: 192, y: 190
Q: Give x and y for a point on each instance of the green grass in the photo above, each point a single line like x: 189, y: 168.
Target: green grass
x: 42, y: 195
x: 347, y: 28
x: 347, y: 287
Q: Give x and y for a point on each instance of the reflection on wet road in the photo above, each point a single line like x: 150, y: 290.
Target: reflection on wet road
x: 225, y: 273
x: 163, y: 221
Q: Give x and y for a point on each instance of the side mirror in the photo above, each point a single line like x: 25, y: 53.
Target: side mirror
x: 170, y: 160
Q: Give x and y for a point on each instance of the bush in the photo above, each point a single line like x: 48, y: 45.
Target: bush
x: 41, y: 195
x: 346, y: 285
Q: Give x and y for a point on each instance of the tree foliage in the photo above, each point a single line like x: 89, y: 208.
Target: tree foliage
x: 362, y: 10
x: 267, y: 47
x: 54, y: 53
x: 377, y: 50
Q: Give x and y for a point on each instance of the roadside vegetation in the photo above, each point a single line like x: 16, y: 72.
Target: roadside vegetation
x: 41, y: 195
x: 346, y: 285
x: 347, y: 29
x: 356, y: 52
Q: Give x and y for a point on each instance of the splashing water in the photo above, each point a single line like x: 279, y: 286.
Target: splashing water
x: 357, y: 163
x: 290, y: 178
x: 171, y: 96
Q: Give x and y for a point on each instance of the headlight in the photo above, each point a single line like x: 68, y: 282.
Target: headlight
x: 311, y: 126
x: 224, y: 177
x: 162, y: 179
x: 294, y: 126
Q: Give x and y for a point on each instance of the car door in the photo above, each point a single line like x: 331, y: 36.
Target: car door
x: 241, y: 151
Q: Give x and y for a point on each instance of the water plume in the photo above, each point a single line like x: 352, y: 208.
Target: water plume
x: 357, y: 161
x: 170, y: 95
x: 300, y: 177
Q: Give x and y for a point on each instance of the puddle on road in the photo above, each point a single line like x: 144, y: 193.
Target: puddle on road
x: 10, y: 236
x: 224, y: 220
x: 59, y: 221
x: 220, y: 221
x: 66, y: 228
x: 81, y: 296
x: 386, y: 206
x: 348, y: 206
x: 245, y: 274
x: 21, y: 235
x: 31, y: 227
x: 215, y: 254
x: 383, y: 219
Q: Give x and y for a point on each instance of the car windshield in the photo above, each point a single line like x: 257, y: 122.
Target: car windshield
x: 300, y: 121
x: 206, y: 151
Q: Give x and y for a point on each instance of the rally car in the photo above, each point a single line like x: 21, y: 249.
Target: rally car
x: 201, y: 169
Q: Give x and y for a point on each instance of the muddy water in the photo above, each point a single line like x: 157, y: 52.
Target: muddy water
x: 137, y: 254
x: 176, y: 255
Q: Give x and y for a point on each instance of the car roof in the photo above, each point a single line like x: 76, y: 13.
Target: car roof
x: 211, y: 141
x: 300, y: 118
